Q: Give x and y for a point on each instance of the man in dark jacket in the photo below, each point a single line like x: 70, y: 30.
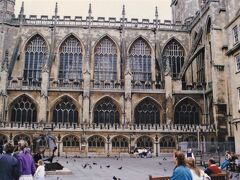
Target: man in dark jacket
x: 8, y: 164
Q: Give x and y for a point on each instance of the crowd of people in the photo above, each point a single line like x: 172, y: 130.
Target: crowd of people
x: 20, y: 165
x: 186, y: 168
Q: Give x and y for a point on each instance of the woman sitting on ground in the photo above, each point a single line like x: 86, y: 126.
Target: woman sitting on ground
x: 197, y: 174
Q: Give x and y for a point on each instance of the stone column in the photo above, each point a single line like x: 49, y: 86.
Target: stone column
x: 3, y: 86
x: 168, y: 97
x: 128, y: 98
x: 44, y: 96
x: 86, y: 97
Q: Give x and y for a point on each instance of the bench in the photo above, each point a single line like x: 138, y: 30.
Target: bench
x: 220, y: 176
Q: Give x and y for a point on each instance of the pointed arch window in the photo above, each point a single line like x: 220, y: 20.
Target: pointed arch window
x: 19, y: 137
x: 167, y: 142
x: 35, y: 56
x: 70, y: 141
x: 187, y: 112
x: 65, y: 111
x: 120, y: 142
x: 147, y: 112
x: 173, y: 57
x: 106, y: 112
x: 144, y: 142
x: 105, y: 60
x: 24, y: 111
x: 96, y: 142
x: 70, y: 59
x: 140, y: 60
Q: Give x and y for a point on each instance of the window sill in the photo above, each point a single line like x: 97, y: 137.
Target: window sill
x: 237, y: 73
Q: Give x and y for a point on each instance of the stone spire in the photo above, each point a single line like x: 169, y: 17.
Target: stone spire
x: 156, y: 17
x: 55, y: 16
x: 89, y: 15
x: 123, y: 16
x: 21, y: 14
x: 89, y: 38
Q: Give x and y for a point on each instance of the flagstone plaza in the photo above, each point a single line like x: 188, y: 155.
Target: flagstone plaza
x: 132, y: 168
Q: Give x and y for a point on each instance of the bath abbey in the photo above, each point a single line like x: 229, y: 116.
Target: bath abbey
x: 105, y: 86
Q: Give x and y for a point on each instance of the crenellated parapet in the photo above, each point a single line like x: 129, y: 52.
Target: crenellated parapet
x: 101, y: 22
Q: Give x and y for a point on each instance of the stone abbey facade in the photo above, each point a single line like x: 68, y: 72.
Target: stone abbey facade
x: 107, y: 86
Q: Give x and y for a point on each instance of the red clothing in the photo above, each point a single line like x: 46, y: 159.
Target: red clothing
x: 213, y: 169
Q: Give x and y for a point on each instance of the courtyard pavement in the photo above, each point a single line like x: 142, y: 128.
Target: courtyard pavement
x: 124, y: 168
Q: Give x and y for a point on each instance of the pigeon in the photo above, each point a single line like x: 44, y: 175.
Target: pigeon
x: 115, y: 178
x: 160, y: 163
x: 164, y: 159
x: 85, y: 165
x: 101, y: 167
x: 74, y: 160
x: 120, y: 168
x: 94, y: 163
x: 117, y: 158
x: 57, y: 178
x: 90, y: 167
x: 108, y: 166
x: 165, y: 169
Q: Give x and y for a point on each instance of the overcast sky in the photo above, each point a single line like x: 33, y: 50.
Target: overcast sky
x: 141, y: 9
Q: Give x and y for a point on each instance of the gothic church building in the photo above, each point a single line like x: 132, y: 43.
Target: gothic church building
x: 105, y: 86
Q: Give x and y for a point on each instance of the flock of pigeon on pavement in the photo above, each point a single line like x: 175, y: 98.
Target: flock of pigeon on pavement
x: 90, y: 166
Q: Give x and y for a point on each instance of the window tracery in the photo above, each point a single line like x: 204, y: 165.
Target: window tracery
x: 70, y: 141
x: 140, y: 60
x: 65, y: 111
x: 147, y: 112
x: 70, y: 60
x: 187, y: 112
x: 106, y: 112
x: 35, y: 56
x: 105, y: 60
x: 144, y: 142
x: 96, y: 142
x: 173, y: 57
x: 167, y: 142
x: 119, y: 142
x: 24, y: 111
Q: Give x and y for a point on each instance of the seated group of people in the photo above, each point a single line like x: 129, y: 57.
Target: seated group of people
x: 186, y: 168
x: 143, y: 152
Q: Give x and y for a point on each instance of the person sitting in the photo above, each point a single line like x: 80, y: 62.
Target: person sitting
x: 226, y: 161
x: 181, y: 171
x: 212, y: 167
x: 197, y: 174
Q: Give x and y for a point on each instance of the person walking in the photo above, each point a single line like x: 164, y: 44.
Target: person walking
x: 40, y: 172
x: 25, y: 161
x: 8, y: 164
x: 181, y: 171
x: 197, y: 173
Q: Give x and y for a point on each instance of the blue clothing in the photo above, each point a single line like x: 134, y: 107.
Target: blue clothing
x: 8, y: 167
x: 224, y: 164
x: 181, y: 173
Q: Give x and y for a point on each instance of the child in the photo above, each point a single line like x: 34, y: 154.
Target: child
x: 40, y: 172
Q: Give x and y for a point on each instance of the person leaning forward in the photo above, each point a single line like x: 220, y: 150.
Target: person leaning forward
x: 8, y: 164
